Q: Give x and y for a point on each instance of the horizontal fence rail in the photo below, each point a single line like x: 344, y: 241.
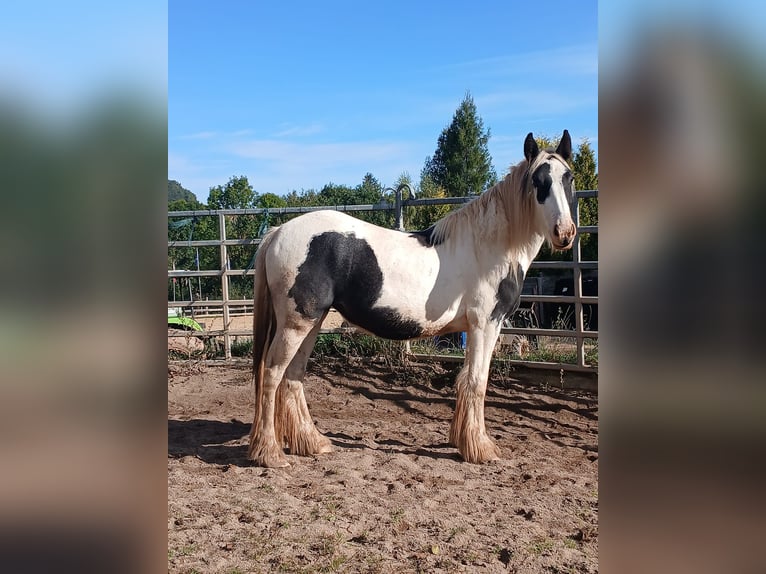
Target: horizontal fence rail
x: 233, y: 307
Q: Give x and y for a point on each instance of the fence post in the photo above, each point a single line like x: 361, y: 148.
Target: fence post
x: 224, y: 286
x: 398, y: 216
x: 577, y: 258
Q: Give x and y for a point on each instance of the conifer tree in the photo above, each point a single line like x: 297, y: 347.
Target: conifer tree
x: 461, y: 164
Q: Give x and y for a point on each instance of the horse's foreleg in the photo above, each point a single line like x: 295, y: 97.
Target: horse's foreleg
x: 293, y: 421
x: 468, y: 432
x: 265, y: 450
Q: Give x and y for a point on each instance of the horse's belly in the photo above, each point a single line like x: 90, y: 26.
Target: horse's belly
x: 415, y: 306
x: 398, y: 324
x: 384, y: 322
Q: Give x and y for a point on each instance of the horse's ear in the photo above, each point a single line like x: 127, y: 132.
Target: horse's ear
x: 565, y: 146
x: 530, y: 148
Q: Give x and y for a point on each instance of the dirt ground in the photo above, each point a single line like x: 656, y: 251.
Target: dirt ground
x: 394, y: 496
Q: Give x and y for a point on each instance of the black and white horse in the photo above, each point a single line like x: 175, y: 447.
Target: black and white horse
x: 464, y: 273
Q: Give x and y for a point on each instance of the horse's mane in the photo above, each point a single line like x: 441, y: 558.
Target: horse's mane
x: 511, y: 198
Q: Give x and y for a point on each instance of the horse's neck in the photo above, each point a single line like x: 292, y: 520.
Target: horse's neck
x: 521, y: 253
x: 500, y: 245
x: 525, y: 259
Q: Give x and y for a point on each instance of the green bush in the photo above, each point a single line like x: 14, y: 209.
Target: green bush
x: 346, y: 345
x: 242, y: 347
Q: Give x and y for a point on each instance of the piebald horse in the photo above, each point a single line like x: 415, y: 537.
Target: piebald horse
x: 464, y: 273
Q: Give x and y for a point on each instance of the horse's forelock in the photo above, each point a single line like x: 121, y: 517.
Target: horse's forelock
x: 525, y: 171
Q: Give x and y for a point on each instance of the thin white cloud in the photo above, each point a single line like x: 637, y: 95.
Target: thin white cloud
x: 318, y: 153
x: 532, y: 103
x: 178, y: 163
x: 211, y: 134
x: 241, y: 133
x: 198, y: 176
x: 206, y: 135
x: 577, y: 60
x: 279, y: 166
x: 299, y: 130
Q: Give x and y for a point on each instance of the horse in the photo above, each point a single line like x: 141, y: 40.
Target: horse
x: 464, y: 273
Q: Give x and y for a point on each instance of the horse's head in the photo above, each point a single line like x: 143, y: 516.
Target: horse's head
x: 552, y: 182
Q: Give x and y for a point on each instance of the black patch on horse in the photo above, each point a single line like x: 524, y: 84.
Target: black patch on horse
x: 567, y: 181
x: 542, y: 181
x: 426, y: 237
x: 508, y: 293
x: 341, y: 271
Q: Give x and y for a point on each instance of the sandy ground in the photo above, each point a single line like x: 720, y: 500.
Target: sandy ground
x: 394, y: 496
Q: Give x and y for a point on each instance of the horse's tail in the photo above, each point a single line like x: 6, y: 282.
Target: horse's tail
x: 264, y: 327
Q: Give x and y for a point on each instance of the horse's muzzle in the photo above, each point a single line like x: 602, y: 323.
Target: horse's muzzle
x: 564, y: 236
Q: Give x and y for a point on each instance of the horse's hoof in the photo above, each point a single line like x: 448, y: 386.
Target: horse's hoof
x: 271, y: 461
x: 479, y: 452
x: 323, y: 445
x: 269, y: 457
x: 481, y: 460
x: 311, y: 445
x: 325, y: 448
x: 278, y: 463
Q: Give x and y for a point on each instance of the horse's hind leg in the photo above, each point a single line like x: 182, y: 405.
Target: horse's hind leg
x: 293, y: 421
x: 265, y: 450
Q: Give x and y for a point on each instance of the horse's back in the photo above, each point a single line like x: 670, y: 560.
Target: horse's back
x: 314, y: 222
x: 324, y: 230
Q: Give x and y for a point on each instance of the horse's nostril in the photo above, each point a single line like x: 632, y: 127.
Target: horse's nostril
x: 556, y: 230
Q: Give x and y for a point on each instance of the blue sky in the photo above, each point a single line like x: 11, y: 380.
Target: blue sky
x: 295, y: 95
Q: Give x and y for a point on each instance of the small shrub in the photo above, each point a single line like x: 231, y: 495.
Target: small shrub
x: 242, y: 347
x: 354, y: 345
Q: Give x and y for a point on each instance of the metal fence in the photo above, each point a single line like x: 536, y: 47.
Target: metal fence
x: 229, y: 307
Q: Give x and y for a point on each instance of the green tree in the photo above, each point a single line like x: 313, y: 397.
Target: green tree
x: 181, y: 230
x: 176, y: 191
x: 184, y: 204
x: 371, y: 191
x: 424, y: 216
x: 586, y: 178
x: 236, y: 194
x: 547, y: 142
x: 461, y: 163
x: 584, y: 167
x: 333, y: 194
x: 271, y: 200
x: 302, y: 198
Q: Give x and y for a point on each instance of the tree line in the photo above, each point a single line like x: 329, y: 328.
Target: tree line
x: 461, y: 165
